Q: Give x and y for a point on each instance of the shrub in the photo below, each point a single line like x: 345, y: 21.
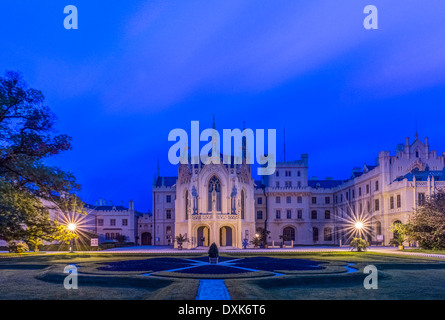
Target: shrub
x: 213, y: 251
x: 256, y: 241
x: 22, y: 247
x: 359, y: 244
x: 12, y: 247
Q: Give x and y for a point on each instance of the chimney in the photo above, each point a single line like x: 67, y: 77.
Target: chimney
x: 305, y: 158
x: 131, y: 205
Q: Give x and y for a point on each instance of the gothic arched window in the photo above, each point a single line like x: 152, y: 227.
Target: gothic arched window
x: 214, y: 185
x: 242, y: 204
x: 378, y: 227
x: 186, y: 205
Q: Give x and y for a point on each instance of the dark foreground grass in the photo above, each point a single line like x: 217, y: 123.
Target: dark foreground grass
x: 400, y: 277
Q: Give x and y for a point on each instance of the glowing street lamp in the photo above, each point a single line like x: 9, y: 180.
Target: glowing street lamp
x: 72, y: 227
x: 359, y: 225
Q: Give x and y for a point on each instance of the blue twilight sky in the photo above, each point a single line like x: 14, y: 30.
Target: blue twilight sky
x: 134, y: 70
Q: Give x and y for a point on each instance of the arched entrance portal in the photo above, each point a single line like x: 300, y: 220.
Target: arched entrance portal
x: 225, y: 237
x: 203, y: 236
x: 146, y: 239
x: 288, y: 234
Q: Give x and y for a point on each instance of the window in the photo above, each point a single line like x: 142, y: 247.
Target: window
x: 125, y: 222
x: 288, y: 200
x: 277, y: 199
x: 107, y: 236
x: 360, y: 191
x: 299, y: 199
x: 214, y: 190
x: 399, y: 201
x: 377, y: 185
x: 353, y: 193
x: 289, y: 214
x: 347, y: 195
x: 288, y: 184
x: 288, y: 234
x: 299, y: 184
x: 376, y: 205
x: 277, y: 173
x: 299, y: 173
x: 367, y: 188
x: 168, y: 214
x: 243, y: 204
x: 327, y: 234
x: 169, y: 198
x: 278, y: 214
x: 277, y: 184
x: 259, y: 200
x: 186, y: 205
x: 421, y: 199
x: 259, y: 215
x: 314, y: 200
x: 100, y: 222
x: 391, y: 203
x: 287, y: 173
x: 327, y: 200
x: 300, y: 214
x: 378, y: 227
x: 315, y: 234
x: 112, y: 222
x: 314, y: 214
x: 327, y: 214
x: 368, y: 206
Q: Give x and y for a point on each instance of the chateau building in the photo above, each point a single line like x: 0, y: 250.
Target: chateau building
x: 112, y: 222
x: 223, y: 204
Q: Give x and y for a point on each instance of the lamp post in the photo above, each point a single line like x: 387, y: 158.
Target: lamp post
x: 72, y: 227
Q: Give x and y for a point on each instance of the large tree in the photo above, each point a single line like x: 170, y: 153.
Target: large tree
x: 29, y: 188
x: 428, y: 224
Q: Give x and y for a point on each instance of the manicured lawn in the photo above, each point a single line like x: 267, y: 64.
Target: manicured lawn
x: 41, y: 276
x: 400, y: 277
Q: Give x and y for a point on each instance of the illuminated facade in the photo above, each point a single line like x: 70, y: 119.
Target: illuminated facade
x: 223, y: 204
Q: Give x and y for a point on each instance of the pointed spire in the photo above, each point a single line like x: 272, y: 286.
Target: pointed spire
x: 417, y: 136
x: 159, y: 169
x: 284, y: 143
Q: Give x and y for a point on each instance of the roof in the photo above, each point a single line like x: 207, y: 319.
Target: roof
x: 259, y: 184
x: 166, y: 181
x: 439, y: 175
x: 326, y: 184
x: 106, y: 208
